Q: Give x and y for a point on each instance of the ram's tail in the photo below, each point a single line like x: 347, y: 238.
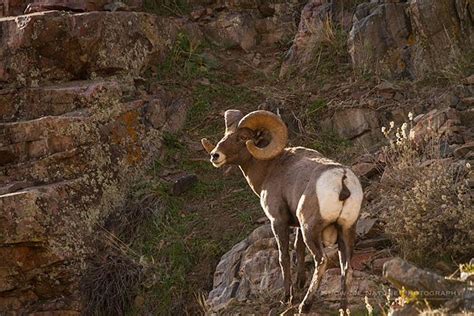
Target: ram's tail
x: 345, y: 193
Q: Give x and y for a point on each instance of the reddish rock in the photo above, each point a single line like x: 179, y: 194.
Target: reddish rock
x: 81, y: 5
x: 437, y: 123
x: 377, y: 264
x: 71, y: 5
x: 69, y: 150
x: 56, y: 99
x: 465, y: 149
x: 365, y: 169
x: 13, y: 7
x: 361, y: 260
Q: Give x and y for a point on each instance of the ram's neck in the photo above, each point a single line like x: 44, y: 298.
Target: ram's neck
x: 255, y: 171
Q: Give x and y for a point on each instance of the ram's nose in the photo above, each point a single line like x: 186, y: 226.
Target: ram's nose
x: 215, y: 157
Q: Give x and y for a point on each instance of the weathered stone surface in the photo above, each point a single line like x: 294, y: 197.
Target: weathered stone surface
x: 454, y: 294
x: 361, y: 125
x: 233, y: 29
x: 83, y: 6
x: 400, y: 39
x: 69, y: 149
x: 251, y: 269
x: 403, y: 274
x: 57, y: 99
x: 184, y: 183
x: 311, y: 34
x: 13, y: 7
x: 247, y: 24
x: 63, y: 46
x: 71, y: 5
x: 443, y: 123
x: 444, y: 42
x: 364, y: 226
x: 379, y: 38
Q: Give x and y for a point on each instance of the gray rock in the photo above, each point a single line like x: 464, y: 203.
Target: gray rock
x: 233, y: 29
x: 311, y: 34
x: 353, y: 122
x: 184, y: 183
x: 405, y: 275
x: 380, y: 34
x: 155, y: 113
x: 251, y: 269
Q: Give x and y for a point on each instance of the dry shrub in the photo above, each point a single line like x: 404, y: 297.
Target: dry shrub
x: 127, y: 222
x: 115, y: 273
x: 428, y: 200
x: 109, y: 283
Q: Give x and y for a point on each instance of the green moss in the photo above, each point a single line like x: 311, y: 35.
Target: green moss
x: 315, y: 108
x: 329, y: 143
x: 185, y: 61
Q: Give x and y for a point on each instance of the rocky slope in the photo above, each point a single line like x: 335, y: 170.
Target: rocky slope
x: 90, y: 99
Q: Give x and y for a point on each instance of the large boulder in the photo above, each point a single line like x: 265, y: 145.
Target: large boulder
x: 360, y: 125
x: 251, y: 270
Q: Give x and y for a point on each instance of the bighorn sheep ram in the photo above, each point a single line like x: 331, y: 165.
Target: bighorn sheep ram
x: 298, y: 187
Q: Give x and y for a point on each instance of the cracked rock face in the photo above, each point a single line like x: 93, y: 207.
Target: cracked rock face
x: 55, y: 45
x: 412, y: 38
x: 74, y: 131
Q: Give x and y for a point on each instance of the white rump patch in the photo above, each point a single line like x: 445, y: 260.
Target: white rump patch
x: 350, y: 211
x: 328, y: 188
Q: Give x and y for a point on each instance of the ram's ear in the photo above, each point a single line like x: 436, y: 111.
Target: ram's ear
x: 232, y: 118
x: 208, y: 146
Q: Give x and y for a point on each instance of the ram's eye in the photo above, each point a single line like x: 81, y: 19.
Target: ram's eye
x: 243, y: 138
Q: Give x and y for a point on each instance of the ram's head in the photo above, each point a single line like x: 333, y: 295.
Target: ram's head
x: 259, y: 134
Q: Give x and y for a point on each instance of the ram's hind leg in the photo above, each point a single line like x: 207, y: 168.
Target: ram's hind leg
x: 312, y: 235
x: 281, y: 231
x: 300, y: 247
x: 345, y: 242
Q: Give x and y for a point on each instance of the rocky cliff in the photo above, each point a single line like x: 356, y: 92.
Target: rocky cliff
x: 96, y: 96
x: 77, y: 125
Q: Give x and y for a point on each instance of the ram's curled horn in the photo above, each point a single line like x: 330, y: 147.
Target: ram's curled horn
x: 208, y: 146
x: 274, y: 125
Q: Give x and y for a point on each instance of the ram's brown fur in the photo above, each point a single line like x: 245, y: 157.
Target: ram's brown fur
x: 289, y: 182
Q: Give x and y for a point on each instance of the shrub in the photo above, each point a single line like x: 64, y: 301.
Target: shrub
x: 429, y: 205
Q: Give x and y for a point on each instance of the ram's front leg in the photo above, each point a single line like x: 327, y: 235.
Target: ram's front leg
x: 281, y: 230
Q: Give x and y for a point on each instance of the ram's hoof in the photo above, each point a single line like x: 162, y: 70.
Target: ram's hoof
x: 304, y: 308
